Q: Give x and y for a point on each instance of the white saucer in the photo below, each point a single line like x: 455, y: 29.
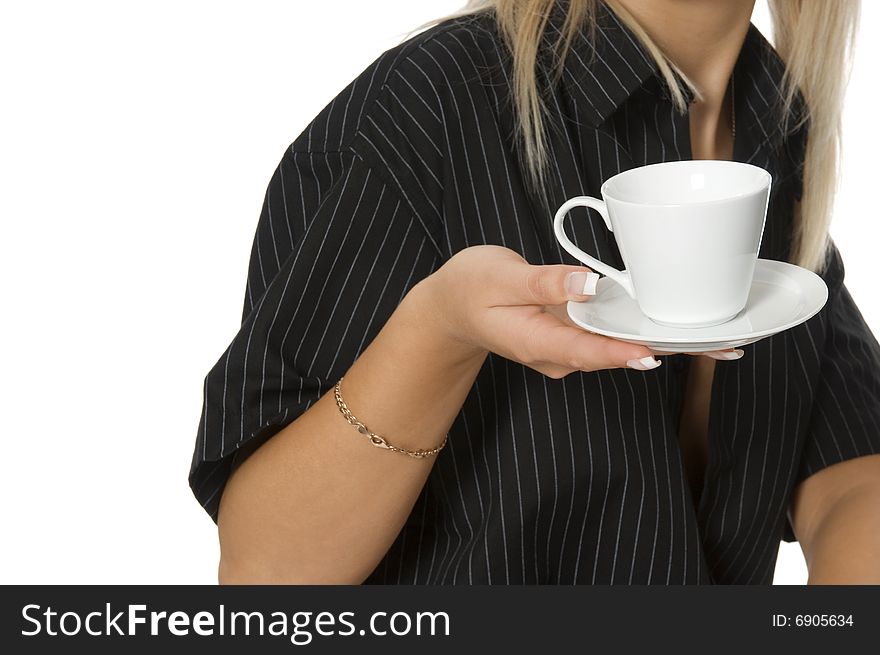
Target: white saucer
x: 782, y: 296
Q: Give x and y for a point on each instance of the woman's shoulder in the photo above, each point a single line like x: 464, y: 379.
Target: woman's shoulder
x: 415, y: 83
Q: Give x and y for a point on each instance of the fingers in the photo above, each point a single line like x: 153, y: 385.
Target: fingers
x: 731, y: 353
x: 545, y: 339
x: 560, y: 312
x: 551, y: 342
x: 553, y: 284
x: 726, y: 354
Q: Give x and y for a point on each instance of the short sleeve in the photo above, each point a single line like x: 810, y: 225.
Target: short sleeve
x: 845, y: 416
x: 336, y: 249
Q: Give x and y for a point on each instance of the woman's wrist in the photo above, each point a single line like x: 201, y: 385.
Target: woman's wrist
x: 425, y: 308
x: 412, y: 380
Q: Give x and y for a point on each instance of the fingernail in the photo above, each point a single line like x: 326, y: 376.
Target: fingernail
x: 643, y: 364
x: 582, y: 283
x: 725, y: 354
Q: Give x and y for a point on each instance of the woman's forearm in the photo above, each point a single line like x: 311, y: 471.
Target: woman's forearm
x: 317, y: 503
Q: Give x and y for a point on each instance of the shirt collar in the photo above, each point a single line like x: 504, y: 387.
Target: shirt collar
x: 607, y: 73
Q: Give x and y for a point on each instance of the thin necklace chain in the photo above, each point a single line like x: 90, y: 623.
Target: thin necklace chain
x: 732, y: 109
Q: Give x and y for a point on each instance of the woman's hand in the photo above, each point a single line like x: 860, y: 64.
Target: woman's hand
x: 491, y: 299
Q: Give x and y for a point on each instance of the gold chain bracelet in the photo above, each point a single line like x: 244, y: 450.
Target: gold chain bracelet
x: 378, y: 440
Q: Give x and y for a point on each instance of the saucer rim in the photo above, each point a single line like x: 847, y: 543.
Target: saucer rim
x: 784, y: 268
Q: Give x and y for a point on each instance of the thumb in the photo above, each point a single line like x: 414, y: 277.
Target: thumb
x: 554, y: 284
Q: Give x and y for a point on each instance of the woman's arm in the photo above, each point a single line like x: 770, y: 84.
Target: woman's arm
x: 835, y: 508
x: 316, y: 503
x: 836, y: 518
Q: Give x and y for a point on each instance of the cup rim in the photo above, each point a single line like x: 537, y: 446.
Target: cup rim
x: 766, y: 181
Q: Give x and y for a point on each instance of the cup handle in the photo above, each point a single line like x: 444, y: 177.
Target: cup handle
x: 621, y: 277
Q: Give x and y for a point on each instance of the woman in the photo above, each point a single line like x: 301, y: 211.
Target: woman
x: 405, y: 245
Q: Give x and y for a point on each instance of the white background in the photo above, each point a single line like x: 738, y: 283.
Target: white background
x: 137, y: 143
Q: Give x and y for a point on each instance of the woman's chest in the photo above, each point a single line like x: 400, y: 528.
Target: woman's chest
x: 693, y: 424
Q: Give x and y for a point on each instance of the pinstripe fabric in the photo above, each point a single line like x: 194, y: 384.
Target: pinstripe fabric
x: 578, y: 480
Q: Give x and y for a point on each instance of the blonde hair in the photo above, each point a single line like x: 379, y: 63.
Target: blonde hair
x: 814, y: 39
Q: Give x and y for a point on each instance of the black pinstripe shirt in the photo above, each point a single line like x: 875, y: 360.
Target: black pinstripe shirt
x: 578, y: 480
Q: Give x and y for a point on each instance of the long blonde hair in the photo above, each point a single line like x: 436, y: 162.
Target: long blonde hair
x: 814, y: 39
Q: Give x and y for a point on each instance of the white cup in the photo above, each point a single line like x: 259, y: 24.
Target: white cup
x: 688, y: 232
